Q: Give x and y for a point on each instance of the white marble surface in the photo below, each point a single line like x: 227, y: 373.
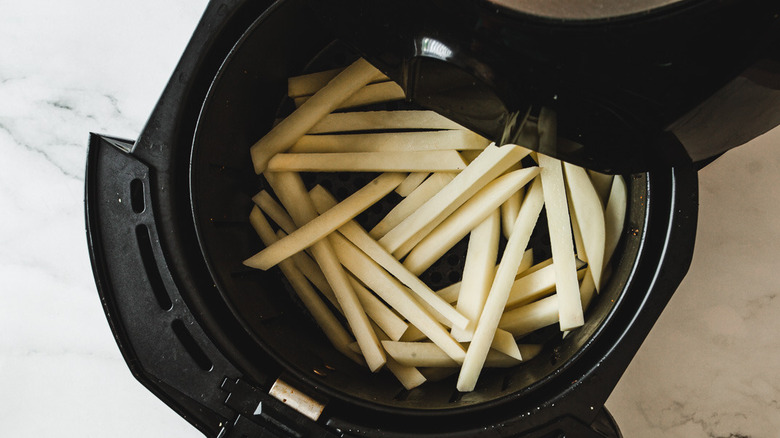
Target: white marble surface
x: 708, y: 369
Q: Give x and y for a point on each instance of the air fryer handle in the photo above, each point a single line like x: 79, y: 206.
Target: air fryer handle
x: 157, y: 334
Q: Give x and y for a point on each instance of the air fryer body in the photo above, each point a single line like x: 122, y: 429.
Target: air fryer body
x: 210, y: 337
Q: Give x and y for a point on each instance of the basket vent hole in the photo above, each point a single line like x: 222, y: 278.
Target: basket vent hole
x: 137, y: 195
x: 150, y: 266
x: 191, y: 345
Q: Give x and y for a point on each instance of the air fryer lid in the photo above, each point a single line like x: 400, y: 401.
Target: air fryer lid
x: 637, y: 85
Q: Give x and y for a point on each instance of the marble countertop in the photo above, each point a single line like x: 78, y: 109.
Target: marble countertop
x: 708, y: 368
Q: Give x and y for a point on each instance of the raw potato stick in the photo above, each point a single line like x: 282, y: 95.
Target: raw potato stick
x: 290, y: 190
x: 396, y: 295
x: 430, y: 161
x: 275, y: 211
x: 289, y: 130
x: 418, y: 141
x: 412, y: 181
x: 451, y: 292
x: 382, y: 120
x: 391, y: 324
x: 411, y: 203
x: 358, y: 236
x: 614, y: 216
x: 427, y: 354
x: 499, y: 290
x: 589, y: 216
x: 478, y: 272
x: 326, y: 223
x: 455, y: 227
x: 410, y: 377
x: 568, y: 289
x: 304, y: 85
x: 535, y: 285
x: 372, y: 93
x: 509, y: 210
x: 493, y: 161
x: 331, y: 326
x: 531, y: 317
x: 602, y: 183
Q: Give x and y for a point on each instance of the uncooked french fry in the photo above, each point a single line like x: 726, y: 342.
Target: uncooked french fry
x: 509, y: 210
x: 275, y: 211
x: 412, y: 181
x: 291, y: 192
x: 324, y: 201
x: 492, y: 162
x: 589, y: 216
x: 531, y: 317
x: 602, y: 183
x: 326, y: 223
x: 614, y: 216
x: 372, y: 93
x: 535, y: 285
x: 478, y: 272
x: 411, y: 203
x: 331, y: 326
x: 455, y: 227
x: 289, y: 130
x: 394, y: 294
x: 428, y: 354
x: 430, y: 161
x: 451, y: 292
x: 381, y: 120
x: 501, y: 287
x: 304, y: 85
x: 418, y: 141
x: 570, y: 312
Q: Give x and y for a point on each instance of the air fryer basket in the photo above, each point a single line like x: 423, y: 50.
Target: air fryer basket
x: 244, y: 328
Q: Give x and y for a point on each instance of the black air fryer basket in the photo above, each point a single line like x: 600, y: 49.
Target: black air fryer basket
x: 167, y: 221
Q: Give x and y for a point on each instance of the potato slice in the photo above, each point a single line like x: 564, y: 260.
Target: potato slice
x: 455, y: 227
x: 615, y: 216
x: 589, y: 217
x: 370, y: 94
x: 324, y: 201
x: 428, y: 354
x: 294, y: 126
x: 328, y: 222
x: 382, y: 120
x: 395, y: 294
x: 430, y: 161
x: 570, y: 312
x: 290, y: 190
x: 501, y: 287
x: 537, y: 284
x: 530, y: 317
x: 308, y: 84
x: 412, y: 181
x: 330, y: 325
x: 411, y: 203
x: 492, y: 162
x: 478, y: 273
x: 418, y: 141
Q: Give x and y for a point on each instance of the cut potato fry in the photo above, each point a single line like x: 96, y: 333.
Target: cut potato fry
x: 451, y: 292
x: 381, y: 120
x: 478, y: 272
x: 455, y: 227
x: 589, y: 217
x: 430, y: 161
x: 428, y: 354
x: 499, y: 291
x: 570, y: 312
x: 602, y: 183
x: 328, y: 222
x: 324, y: 201
x: 492, y: 162
x: 311, y: 83
x: 291, y: 192
x: 370, y: 94
x: 509, y: 210
x: 615, y: 216
x: 294, y: 126
x: 275, y: 211
x: 536, y: 285
x: 331, y: 326
x: 412, y: 181
x: 531, y: 317
x: 383, y: 317
x: 411, y: 203
x: 395, y: 294
x: 418, y: 141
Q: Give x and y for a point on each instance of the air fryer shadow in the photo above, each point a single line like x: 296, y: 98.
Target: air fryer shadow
x: 241, y: 106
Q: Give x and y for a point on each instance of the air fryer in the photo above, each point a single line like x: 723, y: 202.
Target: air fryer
x: 167, y: 214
